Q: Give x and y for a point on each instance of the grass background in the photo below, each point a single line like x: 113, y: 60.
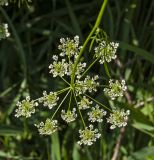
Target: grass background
x: 24, y: 60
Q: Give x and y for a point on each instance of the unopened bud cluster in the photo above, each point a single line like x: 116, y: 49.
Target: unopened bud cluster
x: 80, y: 87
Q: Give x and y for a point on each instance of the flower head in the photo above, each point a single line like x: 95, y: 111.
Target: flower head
x: 88, y: 136
x: 58, y: 68
x: 47, y: 128
x: 115, y: 89
x: 25, y: 108
x: 118, y: 118
x: 88, y: 84
x: 84, y: 103
x: 4, y: 33
x: 68, y: 116
x: 69, y: 47
x: 96, y: 115
x: 106, y: 51
x: 49, y: 100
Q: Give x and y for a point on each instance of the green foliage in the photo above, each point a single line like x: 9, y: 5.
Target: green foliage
x: 35, y: 32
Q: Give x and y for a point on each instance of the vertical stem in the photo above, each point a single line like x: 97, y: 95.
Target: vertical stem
x: 97, y: 23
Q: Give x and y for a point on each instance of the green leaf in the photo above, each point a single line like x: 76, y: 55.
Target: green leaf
x: 9, y: 131
x: 146, y: 153
x: 55, y: 147
x: 76, y: 154
x: 141, y: 52
x: 143, y: 127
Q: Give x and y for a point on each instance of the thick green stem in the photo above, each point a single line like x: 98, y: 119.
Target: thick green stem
x: 97, y: 23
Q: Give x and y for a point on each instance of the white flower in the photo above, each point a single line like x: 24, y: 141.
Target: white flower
x: 90, y: 83
x: 88, y: 136
x: 118, y: 118
x: 25, y: 108
x: 58, y: 68
x: 4, y: 33
x: 80, y: 68
x: 47, y: 128
x: 69, y: 47
x: 68, y: 116
x: 106, y: 51
x: 96, y: 115
x: 49, y: 100
x: 84, y: 103
x: 115, y: 89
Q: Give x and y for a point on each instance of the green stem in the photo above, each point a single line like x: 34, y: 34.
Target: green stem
x: 70, y: 101
x: 58, y: 92
x: 65, y: 80
x: 98, y: 102
x: 79, y: 110
x: 90, y: 66
x: 60, y: 104
x: 63, y: 90
x: 97, y: 23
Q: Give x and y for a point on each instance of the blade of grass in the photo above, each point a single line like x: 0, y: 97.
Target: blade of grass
x: 55, y: 147
x: 74, y: 20
x: 141, y: 52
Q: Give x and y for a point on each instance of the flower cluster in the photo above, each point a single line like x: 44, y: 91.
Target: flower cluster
x: 115, y: 89
x: 49, y: 100
x: 88, y: 136
x: 69, y: 47
x: 47, y: 128
x: 58, y: 68
x: 66, y: 65
x: 84, y: 103
x: 96, y: 115
x: 118, y: 118
x: 106, y: 51
x: 4, y: 33
x: 3, y: 2
x: 88, y: 84
x: 62, y: 68
x: 26, y: 108
x: 69, y: 116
